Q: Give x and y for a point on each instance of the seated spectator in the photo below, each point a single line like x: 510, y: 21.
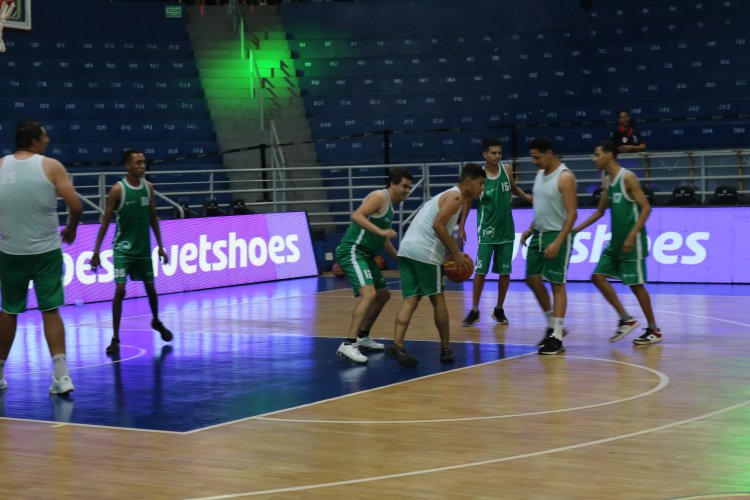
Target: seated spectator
x: 627, y: 139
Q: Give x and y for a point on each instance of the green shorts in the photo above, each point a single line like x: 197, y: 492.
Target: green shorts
x: 419, y: 278
x: 553, y: 270
x: 138, y: 268
x: 630, y: 272
x: 44, y: 269
x: 360, y: 269
x: 503, y: 257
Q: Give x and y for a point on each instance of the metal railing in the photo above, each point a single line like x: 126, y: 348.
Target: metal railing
x: 345, y: 186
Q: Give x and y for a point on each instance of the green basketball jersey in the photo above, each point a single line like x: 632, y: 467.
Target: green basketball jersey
x: 625, y: 213
x: 133, y: 236
x: 365, y: 241
x: 494, y: 218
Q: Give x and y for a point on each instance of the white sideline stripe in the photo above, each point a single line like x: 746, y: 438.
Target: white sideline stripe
x: 663, y: 382
x: 484, y: 462
x: 314, y: 403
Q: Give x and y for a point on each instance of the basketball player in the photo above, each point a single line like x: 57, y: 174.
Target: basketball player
x: 133, y: 200
x: 421, y: 256
x: 496, y: 232
x: 30, y: 247
x: 551, y: 240
x: 624, y: 257
x: 370, y: 232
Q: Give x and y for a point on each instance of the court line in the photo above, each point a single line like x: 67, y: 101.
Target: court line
x: 431, y: 375
x: 54, y: 424
x: 482, y: 462
x: 663, y: 382
x: 707, y: 496
x: 141, y: 352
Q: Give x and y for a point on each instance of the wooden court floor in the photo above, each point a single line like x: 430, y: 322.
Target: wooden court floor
x: 603, y: 420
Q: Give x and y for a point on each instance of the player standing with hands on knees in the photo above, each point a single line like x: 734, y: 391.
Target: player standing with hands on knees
x: 420, y: 261
x: 30, y: 249
x: 368, y: 233
x: 555, y: 212
x: 132, y: 198
x: 624, y: 257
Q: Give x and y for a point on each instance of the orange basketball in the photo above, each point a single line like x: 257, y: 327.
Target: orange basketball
x: 455, y: 273
x: 380, y: 261
x: 337, y: 271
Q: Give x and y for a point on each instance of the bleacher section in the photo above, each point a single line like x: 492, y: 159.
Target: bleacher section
x: 116, y: 75
x: 540, y: 68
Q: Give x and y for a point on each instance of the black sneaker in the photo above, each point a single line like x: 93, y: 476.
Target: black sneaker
x: 547, y: 333
x: 446, y: 355
x: 552, y: 346
x: 471, y: 318
x: 498, y: 314
x: 157, y: 325
x: 113, y: 347
x: 401, y: 357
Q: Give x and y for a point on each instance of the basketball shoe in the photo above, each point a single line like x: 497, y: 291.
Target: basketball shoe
x: 351, y: 351
x: 401, y: 356
x: 367, y: 344
x: 61, y: 386
x: 498, y: 314
x: 471, y: 318
x: 623, y: 328
x: 650, y: 336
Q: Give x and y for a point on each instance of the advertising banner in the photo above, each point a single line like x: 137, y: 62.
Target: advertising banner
x: 686, y: 245
x: 203, y: 253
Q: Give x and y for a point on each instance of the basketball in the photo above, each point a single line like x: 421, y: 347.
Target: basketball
x: 455, y: 273
x: 380, y: 261
x: 337, y: 271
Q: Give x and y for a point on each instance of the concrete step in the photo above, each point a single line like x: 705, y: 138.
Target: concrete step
x: 219, y: 28
x: 280, y: 82
x: 218, y: 33
x: 226, y: 83
x: 216, y: 58
x: 274, y: 45
x: 282, y: 92
x: 243, y: 73
x: 281, y: 65
x: 228, y: 93
x: 268, y: 34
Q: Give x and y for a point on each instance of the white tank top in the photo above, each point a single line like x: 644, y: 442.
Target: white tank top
x: 28, y: 208
x: 421, y: 242
x: 549, y: 211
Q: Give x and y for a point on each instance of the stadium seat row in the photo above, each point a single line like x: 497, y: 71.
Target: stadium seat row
x: 27, y: 46
x: 98, y: 68
x: 89, y: 109
x: 77, y: 131
x: 101, y: 88
x: 112, y: 152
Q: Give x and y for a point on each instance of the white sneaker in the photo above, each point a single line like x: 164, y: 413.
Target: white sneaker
x: 370, y: 345
x: 62, y: 386
x: 3, y: 384
x: 351, y: 351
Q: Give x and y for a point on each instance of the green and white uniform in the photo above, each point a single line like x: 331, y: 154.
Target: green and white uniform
x: 421, y: 253
x: 549, y: 219
x: 629, y: 267
x: 495, y: 229
x: 132, y: 244
x: 29, y: 239
x: 357, y: 250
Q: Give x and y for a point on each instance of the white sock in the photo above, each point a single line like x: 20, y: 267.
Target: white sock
x: 548, y: 315
x: 557, y: 328
x: 61, y: 366
x: 2, y: 369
